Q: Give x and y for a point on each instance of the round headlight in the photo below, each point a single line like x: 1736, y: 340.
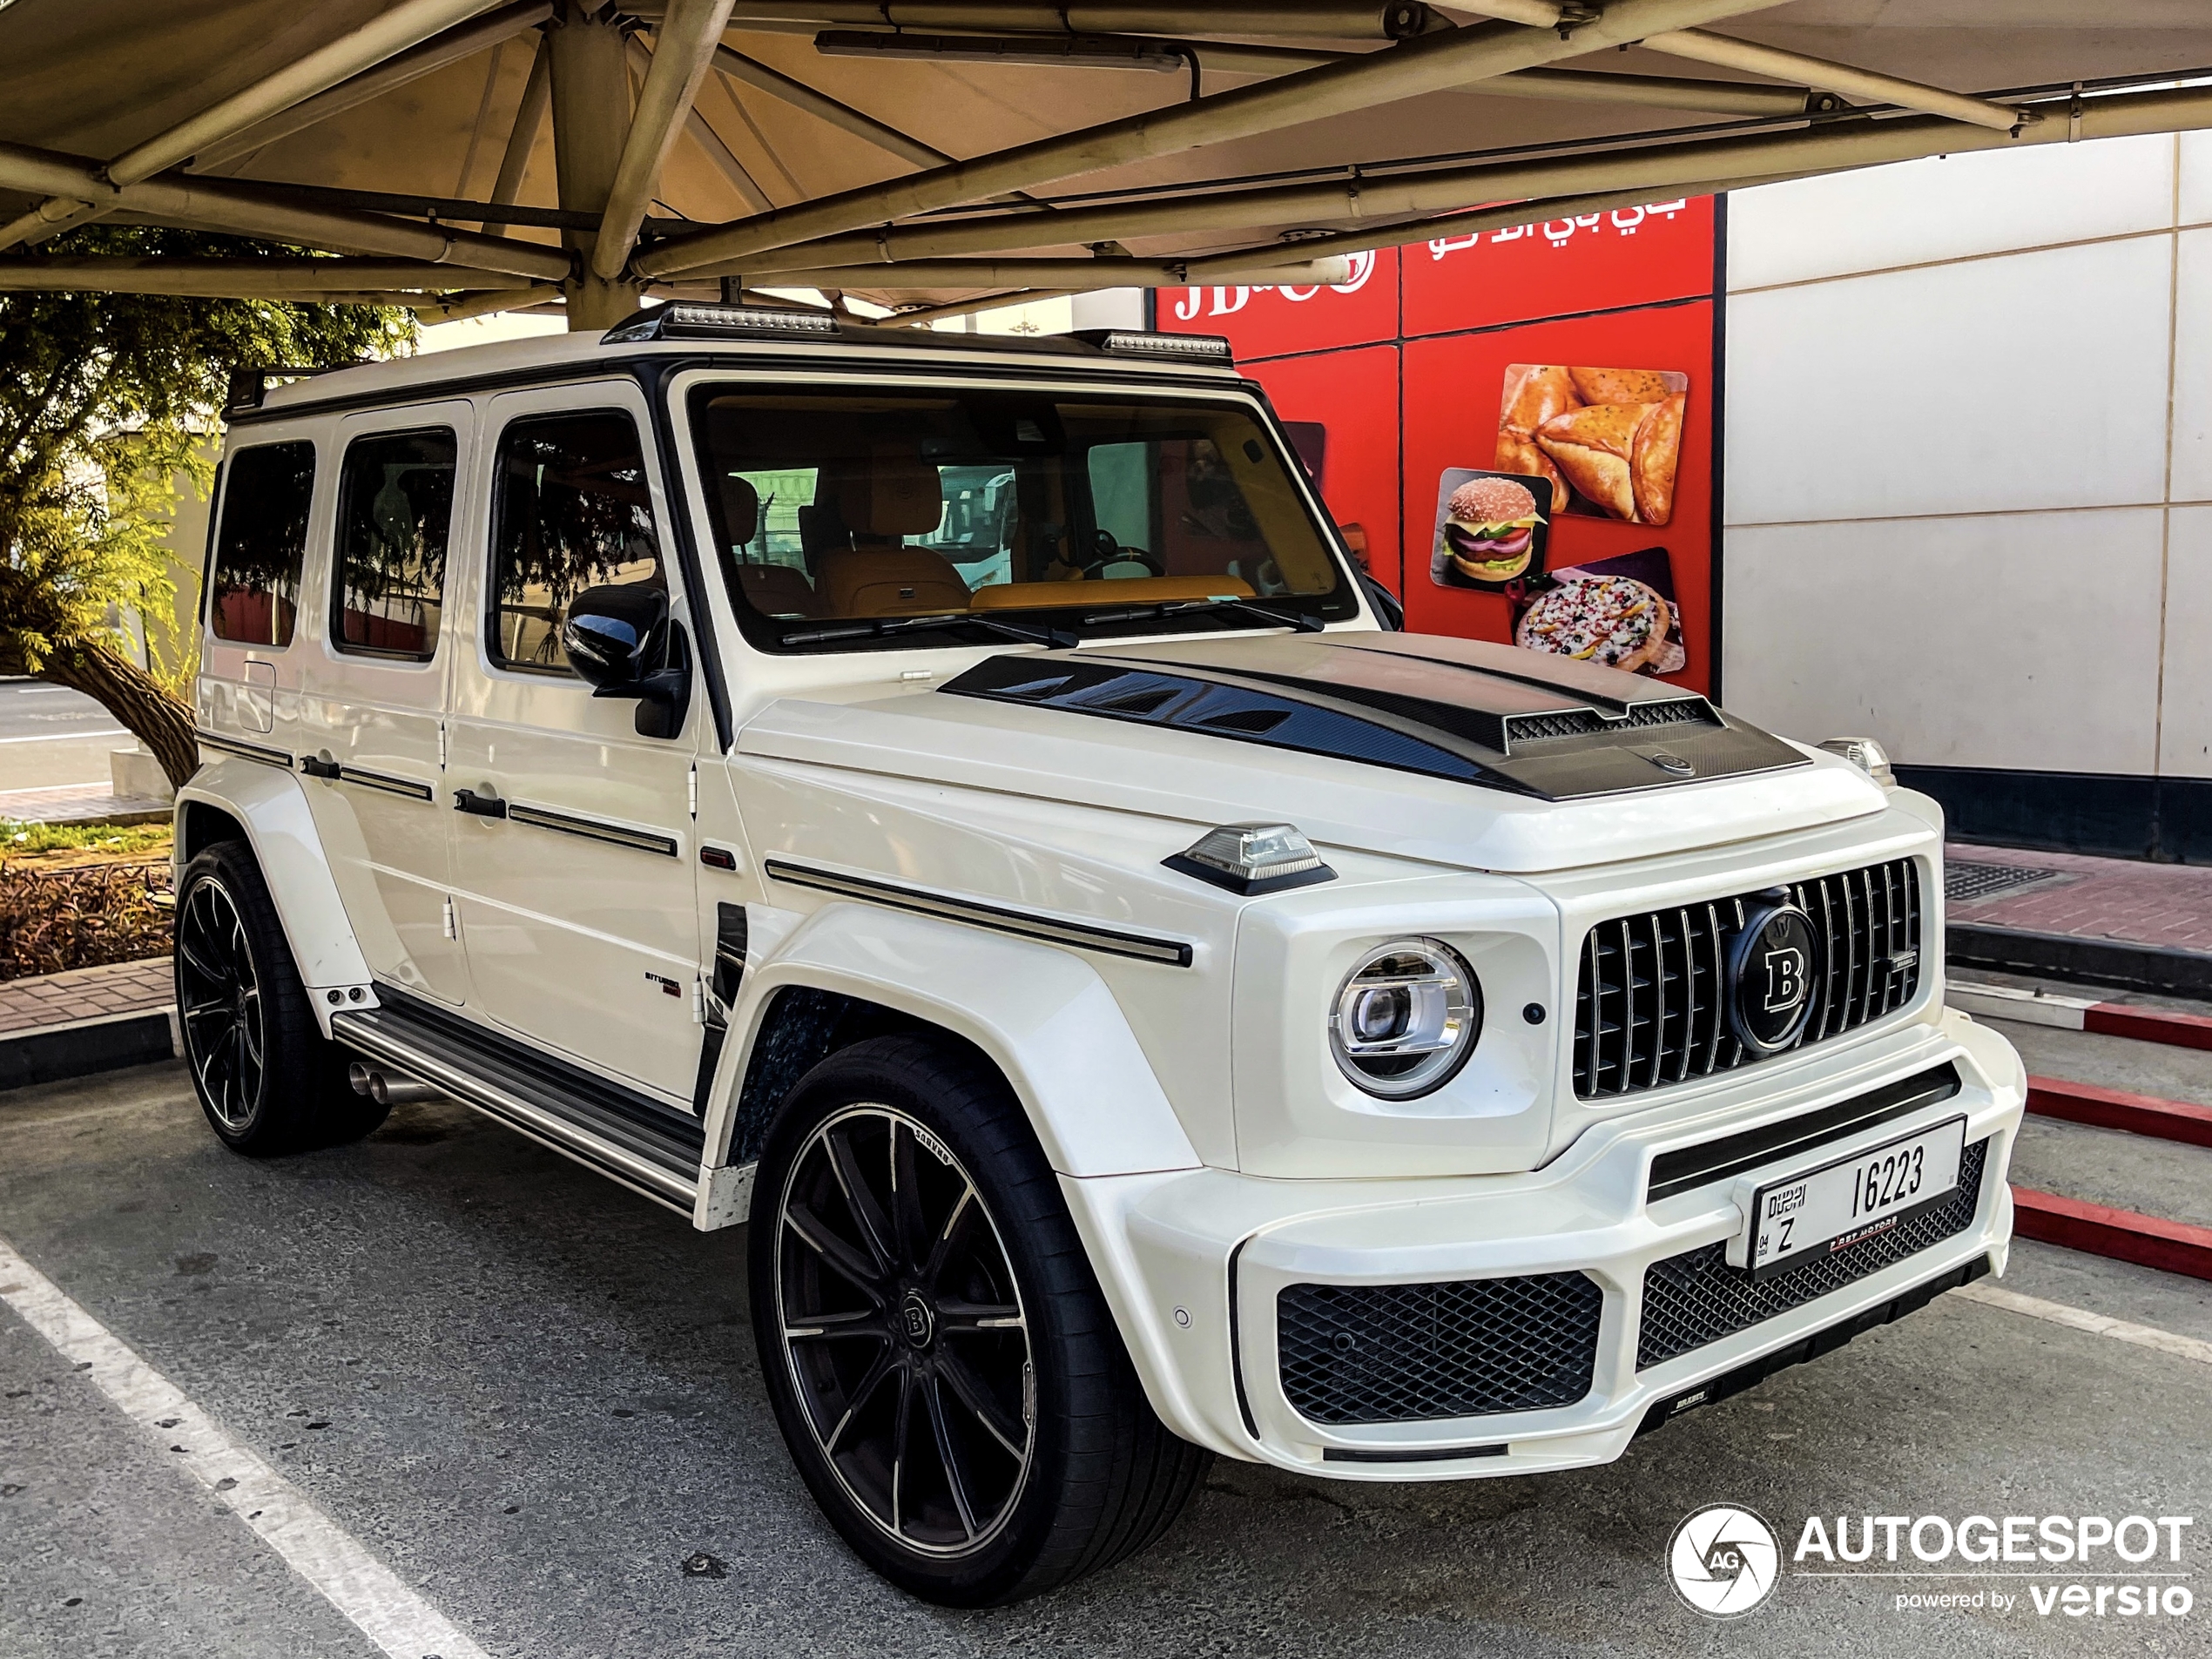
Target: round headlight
x: 1405, y: 1018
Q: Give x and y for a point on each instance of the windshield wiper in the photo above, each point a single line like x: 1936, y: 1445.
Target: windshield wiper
x: 879, y: 627
x: 1305, y: 623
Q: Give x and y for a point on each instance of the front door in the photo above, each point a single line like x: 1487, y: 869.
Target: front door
x: 574, y: 867
x: 373, y: 689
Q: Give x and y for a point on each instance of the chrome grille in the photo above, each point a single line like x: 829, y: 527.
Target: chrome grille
x: 1650, y: 1007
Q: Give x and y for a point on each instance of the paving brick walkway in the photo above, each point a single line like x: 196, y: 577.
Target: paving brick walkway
x: 84, y: 993
x: 79, y: 804
x: 2168, y: 904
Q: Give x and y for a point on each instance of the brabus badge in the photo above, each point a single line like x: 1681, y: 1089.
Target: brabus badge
x: 1673, y: 764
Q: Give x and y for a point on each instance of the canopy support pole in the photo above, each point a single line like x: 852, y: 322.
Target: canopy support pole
x: 591, y: 115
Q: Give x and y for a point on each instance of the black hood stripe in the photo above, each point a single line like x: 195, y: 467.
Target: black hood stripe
x: 1527, y: 725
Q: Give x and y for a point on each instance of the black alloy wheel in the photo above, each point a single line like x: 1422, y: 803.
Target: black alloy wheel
x: 267, y: 1078
x: 903, y: 1329
x: 219, y: 1000
x: 942, y: 1364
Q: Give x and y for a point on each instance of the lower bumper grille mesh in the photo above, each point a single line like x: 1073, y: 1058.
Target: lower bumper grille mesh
x: 1396, y: 1353
x: 1696, y: 1298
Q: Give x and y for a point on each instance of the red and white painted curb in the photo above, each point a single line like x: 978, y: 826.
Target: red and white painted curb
x: 2123, y: 1235
x: 2079, y: 1014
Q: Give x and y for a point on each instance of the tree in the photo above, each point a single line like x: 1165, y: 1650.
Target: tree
x: 106, y: 400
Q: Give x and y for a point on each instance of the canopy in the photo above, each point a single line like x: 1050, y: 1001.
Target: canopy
x: 466, y: 156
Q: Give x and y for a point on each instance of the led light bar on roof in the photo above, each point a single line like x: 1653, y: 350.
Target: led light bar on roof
x: 680, y: 320
x: 1205, y: 348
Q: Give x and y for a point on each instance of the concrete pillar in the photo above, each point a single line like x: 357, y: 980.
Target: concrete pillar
x: 590, y: 120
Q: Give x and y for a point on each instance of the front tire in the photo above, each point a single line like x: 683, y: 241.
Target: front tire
x: 266, y: 1077
x: 935, y: 1347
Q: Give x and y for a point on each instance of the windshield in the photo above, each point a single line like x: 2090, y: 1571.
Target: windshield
x: 1098, y: 514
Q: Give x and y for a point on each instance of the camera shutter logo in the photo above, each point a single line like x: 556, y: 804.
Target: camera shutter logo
x: 1772, y: 966
x: 1723, y: 1561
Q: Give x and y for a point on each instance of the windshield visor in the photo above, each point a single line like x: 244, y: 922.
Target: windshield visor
x: 1096, y: 514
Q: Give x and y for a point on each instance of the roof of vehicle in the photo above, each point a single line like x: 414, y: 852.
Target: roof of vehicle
x: 828, y: 340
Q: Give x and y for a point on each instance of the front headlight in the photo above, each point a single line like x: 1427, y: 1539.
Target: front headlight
x: 1405, y: 1018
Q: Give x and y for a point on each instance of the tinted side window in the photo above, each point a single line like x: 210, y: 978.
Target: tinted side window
x: 253, y: 582
x: 570, y: 512
x: 394, y: 510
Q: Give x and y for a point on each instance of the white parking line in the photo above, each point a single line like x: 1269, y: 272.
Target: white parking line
x: 331, y: 1559
x: 2097, y: 1325
x: 68, y: 737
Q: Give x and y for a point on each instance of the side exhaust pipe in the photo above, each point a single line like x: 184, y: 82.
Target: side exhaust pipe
x: 385, y: 1088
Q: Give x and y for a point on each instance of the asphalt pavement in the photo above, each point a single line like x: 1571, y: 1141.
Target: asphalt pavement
x: 50, y: 735
x: 534, y: 1398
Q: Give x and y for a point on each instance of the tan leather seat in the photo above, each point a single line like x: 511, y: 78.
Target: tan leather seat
x: 892, y: 497
x: 773, y: 589
x: 779, y: 591
x: 889, y: 582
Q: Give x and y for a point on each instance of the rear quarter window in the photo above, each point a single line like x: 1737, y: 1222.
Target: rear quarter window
x: 254, y: 577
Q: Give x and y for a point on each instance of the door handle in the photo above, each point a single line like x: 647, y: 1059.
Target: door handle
x: 468, y: 800
x: 315, y: 766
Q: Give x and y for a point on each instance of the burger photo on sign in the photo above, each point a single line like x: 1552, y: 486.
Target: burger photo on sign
x: 1490, y: 528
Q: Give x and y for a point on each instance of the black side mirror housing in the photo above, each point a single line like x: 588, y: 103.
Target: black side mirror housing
x: 622, y: 642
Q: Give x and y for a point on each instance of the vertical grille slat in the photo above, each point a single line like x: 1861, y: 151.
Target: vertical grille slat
x: 1650, y: 1006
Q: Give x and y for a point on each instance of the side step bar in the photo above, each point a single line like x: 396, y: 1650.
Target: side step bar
x: 627, y: 1137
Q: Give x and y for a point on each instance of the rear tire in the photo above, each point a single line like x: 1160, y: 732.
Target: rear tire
x: 936, y: 1350
x: 266, y: 1077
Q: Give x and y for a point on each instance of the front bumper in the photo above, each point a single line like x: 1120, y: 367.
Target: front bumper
x: 1195, y: 1263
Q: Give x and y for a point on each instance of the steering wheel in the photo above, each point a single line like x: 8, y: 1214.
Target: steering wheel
x: 1106, y: 553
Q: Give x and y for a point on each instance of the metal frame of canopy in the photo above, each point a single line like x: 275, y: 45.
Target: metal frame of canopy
x: 622, y: 90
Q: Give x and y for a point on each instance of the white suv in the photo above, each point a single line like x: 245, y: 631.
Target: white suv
x: 952, y: 801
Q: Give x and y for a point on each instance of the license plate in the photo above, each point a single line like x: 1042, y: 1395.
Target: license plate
x: 1852, y: 1200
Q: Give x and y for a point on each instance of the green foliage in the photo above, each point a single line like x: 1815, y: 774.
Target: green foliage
x: 120, y: 840
x: 106, y: 401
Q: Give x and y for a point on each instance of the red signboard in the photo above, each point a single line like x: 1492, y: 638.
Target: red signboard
x: 1342, y: 406
x: 1519, y: 421
x: 1269, y: 322
x: 1557, y: 267
x: 1454, y: 396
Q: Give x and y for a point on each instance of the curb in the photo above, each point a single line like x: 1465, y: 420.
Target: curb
x: 51, y: 1054
x: 2080, y: 1014
x: 2170, y: 1120
x: 2088, y: 961
x: 2098, y: 1230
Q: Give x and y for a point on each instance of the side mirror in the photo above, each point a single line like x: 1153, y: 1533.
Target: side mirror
x: 622, y: 642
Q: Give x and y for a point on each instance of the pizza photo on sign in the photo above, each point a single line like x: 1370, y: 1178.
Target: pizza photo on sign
x: 1607, y: 441
x: 1617, y: 613
x: 1491, y: 529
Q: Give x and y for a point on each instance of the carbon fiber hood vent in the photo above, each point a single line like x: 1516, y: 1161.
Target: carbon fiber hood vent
x: 1489, y: 715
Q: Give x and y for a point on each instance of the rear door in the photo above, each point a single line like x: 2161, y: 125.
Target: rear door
x: 574, y: 863
x: 373, y: 684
